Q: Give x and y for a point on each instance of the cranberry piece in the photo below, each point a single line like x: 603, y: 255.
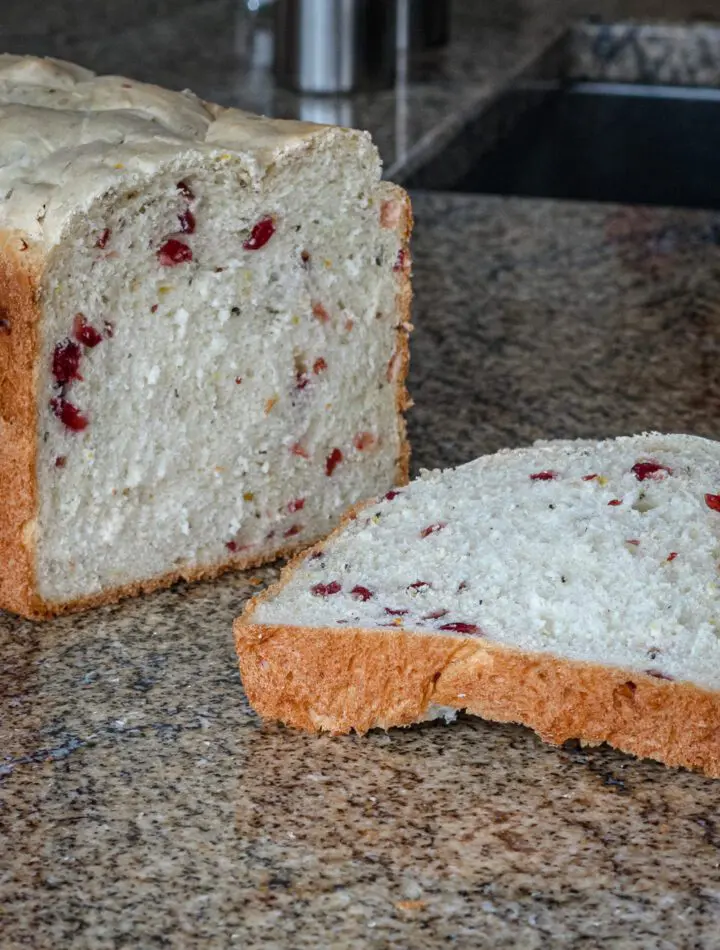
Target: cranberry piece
x: 319, y: 366
x: 632, y: 541
x: 460, y: 627
x: 433, y: 529
x: 320, y: 313
x: 396, y: 613
x: 326, y: 590
x: 103, y: 238
x: 260, y: 235
x: 364, y: 440
x: 185, y: 191
x: 589, y: 478
x: 301, y: 380
x: 392, y: 494
x: 297, y: 449
x: 292, y: 531
x: 332, y: 461
x: 671, y: 556
x: 643, y: 470
x: 315, y: 556
x: 435, y: 615
x: 390, y: 213
x: 174, y: 252
x: 419, y: 585
x: 615, y: 502
x: 231, y: 546
x: 463, y: 585
x: 60, y: 461
x: 297, y: 505
x: 69, y: 415
x: 544, y: 476
x: 713, y: 501
x: 154, y: 308
x: 66, y: 362
x: 361, y: 593
x: 84, y: 333
x: 187, y: 222
x: 658, y: 675
x: 400, y: 260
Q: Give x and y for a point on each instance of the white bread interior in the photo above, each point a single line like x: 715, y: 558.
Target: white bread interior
x: 589, y: 570
x: 238, y: 385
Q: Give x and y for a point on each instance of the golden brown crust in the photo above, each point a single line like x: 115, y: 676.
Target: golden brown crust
x: 403, y: 223
x: 20, y: 271
x: 339, y: 680
x: 344, y: 679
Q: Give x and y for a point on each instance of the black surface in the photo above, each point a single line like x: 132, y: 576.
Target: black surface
x: 599, y: 147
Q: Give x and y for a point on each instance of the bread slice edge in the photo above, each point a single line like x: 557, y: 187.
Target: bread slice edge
x: 342, y: 679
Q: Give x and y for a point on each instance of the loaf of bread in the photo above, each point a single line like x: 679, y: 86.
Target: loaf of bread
x: 570, y: 586
x: 203, y: 335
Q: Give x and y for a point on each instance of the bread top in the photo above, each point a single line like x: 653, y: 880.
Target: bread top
x: 602, y: 552
x: 68, y: 136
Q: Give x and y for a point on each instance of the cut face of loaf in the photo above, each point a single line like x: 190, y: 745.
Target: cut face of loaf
x: 203, y: 335
x: 571, y: 586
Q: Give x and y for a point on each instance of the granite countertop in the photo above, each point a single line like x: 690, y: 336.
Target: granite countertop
x: 142, y: 803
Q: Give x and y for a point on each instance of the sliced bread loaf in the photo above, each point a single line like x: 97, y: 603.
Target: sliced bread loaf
x: 203, y: 335
x: 570, y: 586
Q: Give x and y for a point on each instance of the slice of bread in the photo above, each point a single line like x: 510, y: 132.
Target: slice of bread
x: 570, y: 586
x: 203, y: 335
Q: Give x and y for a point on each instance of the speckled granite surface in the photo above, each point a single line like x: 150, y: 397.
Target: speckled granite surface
x: 142, y: 804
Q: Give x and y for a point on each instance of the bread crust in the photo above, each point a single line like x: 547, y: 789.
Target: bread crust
x: 21, y: 267
x: 20, y: 274
x: 345, y: 679
x: 342, y: 680
x: 403, y: 306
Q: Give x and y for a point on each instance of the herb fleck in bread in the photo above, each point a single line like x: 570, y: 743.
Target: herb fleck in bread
x: 570, y: 586
x: 203, y: 335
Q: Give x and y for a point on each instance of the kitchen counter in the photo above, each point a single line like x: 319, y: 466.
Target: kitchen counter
x: 145, y: 805
x: 142, y: 803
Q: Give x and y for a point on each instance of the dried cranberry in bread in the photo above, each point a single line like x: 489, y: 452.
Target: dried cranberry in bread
x: 203, y: 334
x: 570, y: 586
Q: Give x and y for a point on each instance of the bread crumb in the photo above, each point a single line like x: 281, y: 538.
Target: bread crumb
x: 410, y: 905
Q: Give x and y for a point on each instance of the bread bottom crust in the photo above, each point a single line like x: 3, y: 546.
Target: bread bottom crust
x: 33, y: 607
x: 38, y: 609
x: 342, y: 680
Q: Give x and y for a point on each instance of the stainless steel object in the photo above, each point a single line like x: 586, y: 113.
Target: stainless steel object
x: 335, y: 46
